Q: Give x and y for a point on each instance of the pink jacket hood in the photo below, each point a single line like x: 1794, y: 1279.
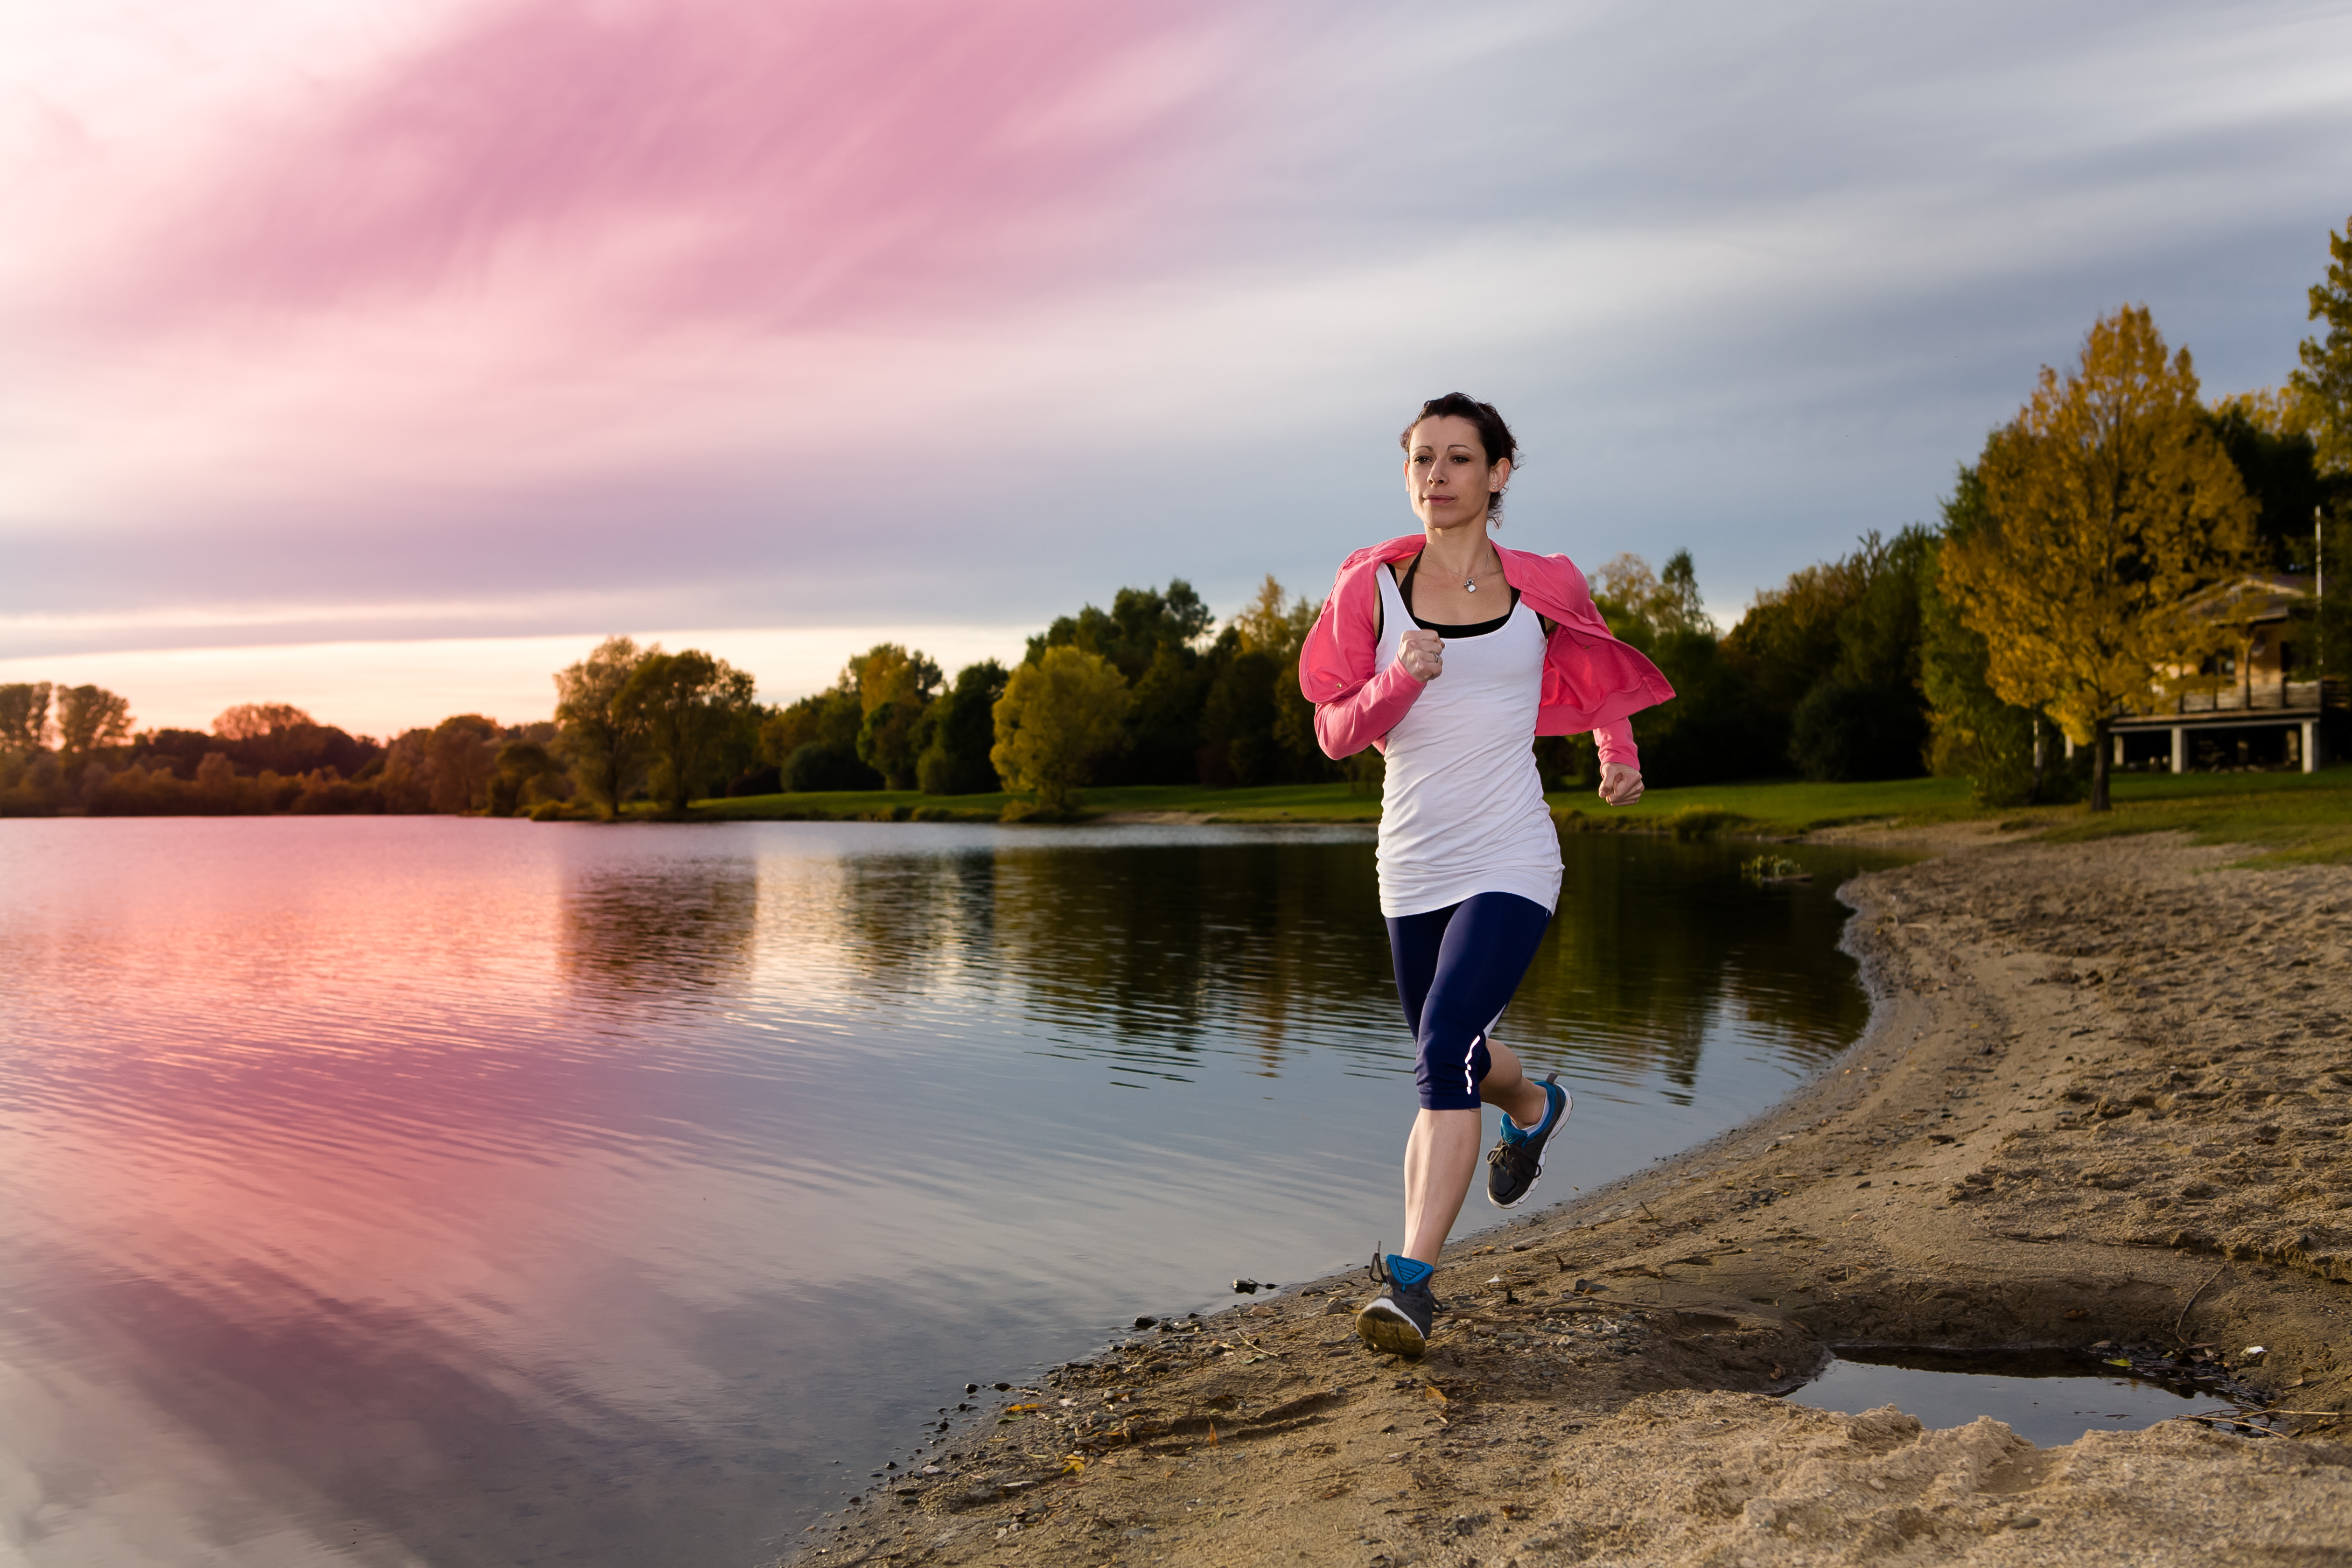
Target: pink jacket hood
x: 1591, y: 681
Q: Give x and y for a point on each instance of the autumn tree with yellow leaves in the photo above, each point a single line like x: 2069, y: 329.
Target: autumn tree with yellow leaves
x: 2108, y: 502
x: 1059, y: 714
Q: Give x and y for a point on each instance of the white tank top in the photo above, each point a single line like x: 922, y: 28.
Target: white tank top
x: 1463, y: 811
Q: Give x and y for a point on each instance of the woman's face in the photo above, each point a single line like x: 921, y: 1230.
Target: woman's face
x: 1447, y: 473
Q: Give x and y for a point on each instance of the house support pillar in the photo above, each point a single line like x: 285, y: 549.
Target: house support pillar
x: 2180, y: 749
x: 2311, y: 745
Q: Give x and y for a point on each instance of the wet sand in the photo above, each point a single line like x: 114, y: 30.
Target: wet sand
x: 2105, y: 1096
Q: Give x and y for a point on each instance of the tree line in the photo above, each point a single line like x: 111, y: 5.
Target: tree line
x: 2056, y: 587
x: 2065, y: 580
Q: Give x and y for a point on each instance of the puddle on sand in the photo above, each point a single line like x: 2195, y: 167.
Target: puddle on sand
x: 2047, y: 1398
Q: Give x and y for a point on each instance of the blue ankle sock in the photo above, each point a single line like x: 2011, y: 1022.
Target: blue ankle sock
x: 1553, y: 1096
x: 1408, y: 1270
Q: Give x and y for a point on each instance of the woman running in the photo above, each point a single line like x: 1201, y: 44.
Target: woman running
x: 1492, y: 647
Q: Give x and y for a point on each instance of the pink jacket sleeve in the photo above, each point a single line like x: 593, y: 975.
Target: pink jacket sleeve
x: 1615, y: 743
x: 1364, y: 715
x: 1358, y: 697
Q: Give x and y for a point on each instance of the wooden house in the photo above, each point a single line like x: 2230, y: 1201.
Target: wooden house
x: 2262, y: 703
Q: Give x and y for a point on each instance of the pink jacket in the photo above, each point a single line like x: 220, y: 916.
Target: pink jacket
x: 1591, y: 681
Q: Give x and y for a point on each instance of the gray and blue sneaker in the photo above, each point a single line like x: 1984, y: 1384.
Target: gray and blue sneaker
x: 1396, y: 1321
x: 1517, y: 1160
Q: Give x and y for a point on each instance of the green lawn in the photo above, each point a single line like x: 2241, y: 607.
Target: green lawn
x: 2296, y: 818
x: 1774, y: 808
x: 2293, y: 817
x: 1273, y: 803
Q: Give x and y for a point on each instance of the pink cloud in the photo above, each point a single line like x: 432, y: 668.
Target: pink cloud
x: 799, y: 164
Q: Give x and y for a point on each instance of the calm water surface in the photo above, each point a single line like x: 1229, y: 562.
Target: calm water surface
x: 450, y: 1192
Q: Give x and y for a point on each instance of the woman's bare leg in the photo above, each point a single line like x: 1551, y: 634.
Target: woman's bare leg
x: 1442, y: 1156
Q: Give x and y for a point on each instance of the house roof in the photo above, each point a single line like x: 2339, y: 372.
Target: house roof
x: 2256, y: 597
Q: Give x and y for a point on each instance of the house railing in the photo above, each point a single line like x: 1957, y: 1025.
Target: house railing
x: 2274, y: 697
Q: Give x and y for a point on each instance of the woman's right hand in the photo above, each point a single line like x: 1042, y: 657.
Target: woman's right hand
x: 1423, y: 654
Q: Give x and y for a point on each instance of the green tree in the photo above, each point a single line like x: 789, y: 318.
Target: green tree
x: 90, y: 718
x: 1152, y: 635
x: 252, y: 720
x: 526, y: 775
x: 2107, y: 503
x: 1162, y: 743
x: 1139, y: 623
x: 687, y: 703
x: 1274, y: 621
x: 829, y: 719
x: 1864, y: 717
x: 1057, y: 716
x: 961, y: 732
x: 2324, y: 381
x: 1238, y: 740
x: 463, y: 757
x: 2001, y: 747
x: 603, y: 741
x: 2276, y: 457
x: 895, y: 691
x: 24, y: 716
x: 1711, y: 731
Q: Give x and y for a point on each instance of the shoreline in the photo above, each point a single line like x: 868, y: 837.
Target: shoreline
x: 2104, y: 1093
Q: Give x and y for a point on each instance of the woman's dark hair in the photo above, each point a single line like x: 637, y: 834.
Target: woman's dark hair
x: 1493, y: 434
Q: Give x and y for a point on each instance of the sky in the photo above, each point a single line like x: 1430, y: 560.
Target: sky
x: 383, y: 357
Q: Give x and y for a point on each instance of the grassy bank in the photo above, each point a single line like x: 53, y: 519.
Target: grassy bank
x: 1273, y: 803
x: 2293, y: 816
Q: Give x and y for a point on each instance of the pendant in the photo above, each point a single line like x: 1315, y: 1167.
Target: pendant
x: 1468, y: 587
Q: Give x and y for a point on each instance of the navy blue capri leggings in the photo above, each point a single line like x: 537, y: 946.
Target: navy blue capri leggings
x: 1455, y: 971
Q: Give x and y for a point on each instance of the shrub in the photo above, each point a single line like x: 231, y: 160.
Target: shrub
x: 818, y: 765
x: 1847, y: 731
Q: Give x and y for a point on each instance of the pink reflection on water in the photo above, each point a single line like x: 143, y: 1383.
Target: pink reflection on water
x: 323, y: 1211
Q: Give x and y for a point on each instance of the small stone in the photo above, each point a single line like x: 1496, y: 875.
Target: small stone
x: 2024, y: 1521
x: 1001, y: 1387
x: 1245, y: 1286
x: 971, y: 1388
x: 1146, y: 1323
x: 1335, y: 1308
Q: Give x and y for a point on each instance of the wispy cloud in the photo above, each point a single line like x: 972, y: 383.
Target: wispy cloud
x: 508, y: 316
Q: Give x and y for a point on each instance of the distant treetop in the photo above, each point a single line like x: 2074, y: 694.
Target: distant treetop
x: 253, y: 721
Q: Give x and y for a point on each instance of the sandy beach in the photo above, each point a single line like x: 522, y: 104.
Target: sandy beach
x: 2106, y: 1098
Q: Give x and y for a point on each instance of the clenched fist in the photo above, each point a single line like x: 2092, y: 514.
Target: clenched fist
x: 1423, y: 654
x: 1619, y: 785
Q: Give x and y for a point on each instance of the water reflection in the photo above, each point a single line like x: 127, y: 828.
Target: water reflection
x: 440, y: 1192
x: 670, y: 932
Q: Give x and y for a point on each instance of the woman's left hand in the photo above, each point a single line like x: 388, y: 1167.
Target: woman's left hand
x: 1619, y: 785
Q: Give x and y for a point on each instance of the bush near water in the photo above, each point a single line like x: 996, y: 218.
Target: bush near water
x: 1960, y: 648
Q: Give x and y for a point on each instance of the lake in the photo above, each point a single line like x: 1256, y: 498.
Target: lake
x: 442, y: 1190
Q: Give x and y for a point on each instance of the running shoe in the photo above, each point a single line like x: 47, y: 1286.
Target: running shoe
x: 1517, y: 1160
x: 1397, y: 1319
